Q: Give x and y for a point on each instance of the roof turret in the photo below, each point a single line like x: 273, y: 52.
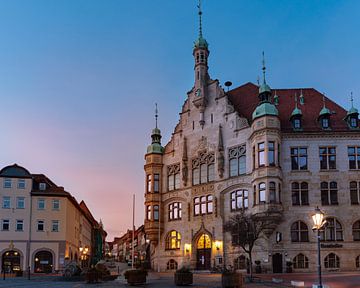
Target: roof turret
x: 155, y: 146
x: 201, y: 41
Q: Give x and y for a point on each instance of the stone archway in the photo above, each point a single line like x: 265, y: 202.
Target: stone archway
x: 11, y: 261
x: 203, y: 252
x: 43, y: 260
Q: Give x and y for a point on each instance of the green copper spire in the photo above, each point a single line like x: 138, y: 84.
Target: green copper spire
x: 324, y: 110
x: 155, y: 146
x: 264, y: 87
x: 352, y: 110
x: 296, y: 110
x: 200, y: 42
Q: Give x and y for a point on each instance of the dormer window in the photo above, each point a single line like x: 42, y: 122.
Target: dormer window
x: 42, y: 186
x: 297, y: 123
x: 325, y: 122
x: 353, y: 122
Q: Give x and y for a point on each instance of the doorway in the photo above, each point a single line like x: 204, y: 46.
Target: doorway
x: 277, y: 263
x: 203, y: 252
x: 43, y: 262
x: 11, y: 261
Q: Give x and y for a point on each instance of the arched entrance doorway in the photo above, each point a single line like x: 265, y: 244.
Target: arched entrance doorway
x: 203, y: 252
x: 11, y: 261
x: 43, y: 262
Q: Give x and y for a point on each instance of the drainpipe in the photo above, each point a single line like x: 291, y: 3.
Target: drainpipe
x: 29, y: 241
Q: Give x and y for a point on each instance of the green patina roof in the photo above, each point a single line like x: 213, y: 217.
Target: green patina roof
x: 201, y: 43
x: 296, y: 111
x: 263, y: 109
x: 155, y: 148
x: 264, y: 88
x: 324, y: 111
x: 353, y: 110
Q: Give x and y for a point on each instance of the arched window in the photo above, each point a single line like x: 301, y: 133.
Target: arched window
x: 332, y: 261
x: 357, y: 261
x: 300, y: 193
x: 356, y: 231
x: 300, y: 261
x: 272, y: 192
x: 173, y: 240
x: 203, y: 168
x: 237, y: 160
x: 329, y: 193
x: 172, y: 265
x: 332, y: 230
x: 299, y: 232
x: 262, y: 192
x: 240, y: 262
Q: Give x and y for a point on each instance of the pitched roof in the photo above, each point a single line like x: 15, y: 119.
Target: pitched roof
x: 245, y: 100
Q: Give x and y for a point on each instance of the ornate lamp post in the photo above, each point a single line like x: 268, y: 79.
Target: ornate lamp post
x: 318, y: 219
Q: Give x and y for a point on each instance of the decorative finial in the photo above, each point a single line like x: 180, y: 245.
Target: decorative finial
x: 264, y: 67
x: 352, y: 99
x: 296, y: 100
x: 200, y: 19
x: 324, y: 100
x: 156, y: 115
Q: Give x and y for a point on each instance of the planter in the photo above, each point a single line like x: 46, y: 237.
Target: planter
x: 92, y: 276
x: 183, y: 278
x: 135, y: 277
x: 232, y: 280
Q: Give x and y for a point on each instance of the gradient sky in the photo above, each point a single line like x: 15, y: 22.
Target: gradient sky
x: 79, y: 79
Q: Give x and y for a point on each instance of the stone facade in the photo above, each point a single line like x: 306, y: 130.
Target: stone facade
x: 231, y: 151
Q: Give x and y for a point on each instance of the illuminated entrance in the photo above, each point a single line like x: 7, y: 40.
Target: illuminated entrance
x: 11, y: 261
x: 43, y: 262
x: 203, y: 252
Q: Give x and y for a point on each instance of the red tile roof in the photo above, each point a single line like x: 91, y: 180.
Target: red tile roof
x: 245, y: 100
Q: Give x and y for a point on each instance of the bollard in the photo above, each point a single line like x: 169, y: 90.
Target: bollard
x: 28, y: 272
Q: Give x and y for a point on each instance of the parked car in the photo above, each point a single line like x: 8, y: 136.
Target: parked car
x: 129, y: 263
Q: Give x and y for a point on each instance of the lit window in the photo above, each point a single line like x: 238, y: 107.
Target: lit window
x: 55, y: 225
x: 239, y: 200
x: 19, y: 225
x: 20, y: 202
x: 5, y: 225
x: 327, y: 158
x: 203, y: 205
x: 262, y: 192
x: 175, y: 211
x: 354, y: 157
x: 55, y: 204
x: 332, y: 261
x: 299, y: 232
x: 21, y: 184
x: 171, y: 265
x: 173, y: 240
x: 40, y: 225
x: 41, y: 204
x: 6, y: 202
x: 300, y: 193
x: 7, y: 183
x: 299, y: 158
x: 148, y: 181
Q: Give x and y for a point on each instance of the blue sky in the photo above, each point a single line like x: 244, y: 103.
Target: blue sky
x: 79, y: 79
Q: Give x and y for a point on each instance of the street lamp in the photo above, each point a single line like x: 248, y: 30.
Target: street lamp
x: 318, y: 219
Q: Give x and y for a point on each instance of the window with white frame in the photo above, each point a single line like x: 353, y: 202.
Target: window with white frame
x: 7, y: 183
x: 6, y: 202
x: 203, y: 205
x: 327, y: 158
x: 5, y: 225
x: 20, y: 202
x: 175, y: 211
x: 19, y: 225
x: 299, y: 158
x: 21, y: 184
x: 261, y: 154
x: 237, y: 160
x: 41, y: 204
x: 55, y: 204
x: 55, y: 225
x: 354, y: 157
x: 40, y: 224
x: 262, y: 192
x: 239, y: 199
x: 42, y: 186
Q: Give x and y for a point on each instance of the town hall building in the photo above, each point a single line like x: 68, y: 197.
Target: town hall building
x: 263, y: 150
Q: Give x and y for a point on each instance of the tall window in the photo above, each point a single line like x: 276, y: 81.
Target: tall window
x: 203, y: 168
x: 7, y: 183
x: 237, y: 160
x: 356, y: 231
x: 171, y: 265
x: 21, y: 184
x: 148, y: 183
x: 299, y: 232
x: 300, y: 261
x: 299, y: 158
x: 354, y: 192
x: 325, y: 122
x: 5, y: 223
x: 148, y: 212
x: 357, y: 261
x: 173, y: 240
x: 327, y: 158
x: 20, y: 202
x: 173, y: 176
x: 6, y: 202
x: 203, y: 205
x: 272, y: 192
x: 271, y: 153
x: 332, y: 231
x: 55, y: 204
x: 175, y: 211
x: 40, y: 225
x: 19, y: 225
x: 332, y: 261
x: 261, y: 154
x: 41, y: 204
x: 354, y: 157
x: 239, y: 199
x: 262, y: 192
x: 156, y: 183
x: 300, y: 193
x: 329, y: 193
x: 156, y: 212
x: 55, y: 225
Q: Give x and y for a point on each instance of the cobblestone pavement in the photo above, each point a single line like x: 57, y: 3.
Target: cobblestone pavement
x: 162, y: 280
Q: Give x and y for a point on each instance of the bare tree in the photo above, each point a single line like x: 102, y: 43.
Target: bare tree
x: 246, y: 229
